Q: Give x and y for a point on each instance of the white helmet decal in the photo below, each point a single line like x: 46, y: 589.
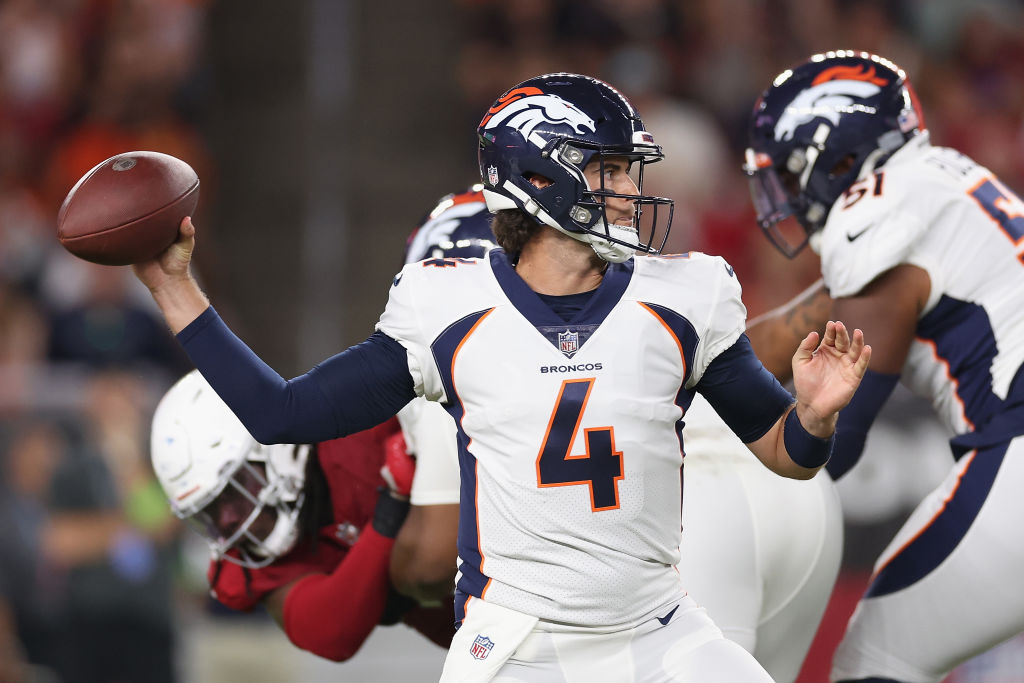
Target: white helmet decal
x: 526, y: 113
x: 827, y: 100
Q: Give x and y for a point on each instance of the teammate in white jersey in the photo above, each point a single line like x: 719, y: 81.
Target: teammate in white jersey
x: 760, y: 552
x: 567, y: 365
x: 922, y: 248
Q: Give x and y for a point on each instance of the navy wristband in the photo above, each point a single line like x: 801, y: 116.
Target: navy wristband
x: 389, y: 514
x: 804, y: 448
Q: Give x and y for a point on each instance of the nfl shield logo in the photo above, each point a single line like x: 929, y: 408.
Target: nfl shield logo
x: 568, y: 342
x: 481, y: 647
x: 492, y: 175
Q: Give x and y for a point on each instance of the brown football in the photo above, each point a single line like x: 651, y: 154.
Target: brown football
x: 128, y: 208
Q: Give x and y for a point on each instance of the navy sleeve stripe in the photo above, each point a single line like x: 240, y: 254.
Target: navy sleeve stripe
x: 369, y: 382
x: 744, y: 394
x: 354, y: 390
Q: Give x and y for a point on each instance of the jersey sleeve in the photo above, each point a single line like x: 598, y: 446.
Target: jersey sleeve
x: 745, y: 395
x: 871, y: 237
x: 726, y: 318
x: 350, y: 391
x: 402, y: 321
x: 431, y: 436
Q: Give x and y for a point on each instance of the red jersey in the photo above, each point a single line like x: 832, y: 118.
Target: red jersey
x: 351, y: 466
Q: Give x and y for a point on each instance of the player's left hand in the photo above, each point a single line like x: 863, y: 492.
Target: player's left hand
x: 826, y: 377
x: 399, y: 466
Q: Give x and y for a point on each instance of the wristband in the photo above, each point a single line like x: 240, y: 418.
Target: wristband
x: 389, y: 514
x: 395, y: 608
x: 804, y: 448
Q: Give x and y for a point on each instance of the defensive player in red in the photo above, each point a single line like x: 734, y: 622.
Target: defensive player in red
x: 306, y: 531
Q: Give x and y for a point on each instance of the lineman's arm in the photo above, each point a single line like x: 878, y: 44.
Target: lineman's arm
x: 887, y: 309
x: 331, y: 615
x: 424, y: 559
x: 776, y: 333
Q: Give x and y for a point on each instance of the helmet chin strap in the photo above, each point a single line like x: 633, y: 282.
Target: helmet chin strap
x: 606, y: 249
x: 613, y: 252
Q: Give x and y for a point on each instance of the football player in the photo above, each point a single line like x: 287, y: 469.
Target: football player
x: 922, y: 248
x: 424, y: 557
x: 760, y: 552
x: 567, y: 366
x: 306, y: 531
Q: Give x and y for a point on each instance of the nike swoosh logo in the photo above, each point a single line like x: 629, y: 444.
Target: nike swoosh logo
x: 668, y: 617
x: 729, y: 270
x: 858, y: 234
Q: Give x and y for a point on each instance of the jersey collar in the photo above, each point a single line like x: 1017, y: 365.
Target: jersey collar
x: 526, y: 301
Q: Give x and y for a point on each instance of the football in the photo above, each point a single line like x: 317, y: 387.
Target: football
x: 127, y: 209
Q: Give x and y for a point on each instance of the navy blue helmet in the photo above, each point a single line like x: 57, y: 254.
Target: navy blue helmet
x: 553, y: 126
x: 820, y: 127
x: 458, y: 227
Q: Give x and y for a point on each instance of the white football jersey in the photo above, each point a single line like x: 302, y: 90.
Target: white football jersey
x: 569, y: 433
x: 935, y: 208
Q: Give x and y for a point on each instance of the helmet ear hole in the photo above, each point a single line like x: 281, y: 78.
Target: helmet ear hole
x: 537, y: 180
x: 842, y: 167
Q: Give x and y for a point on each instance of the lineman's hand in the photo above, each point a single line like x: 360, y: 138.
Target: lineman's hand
x: 393, y: 504
x: 399, y: 466
x: 826, y: 377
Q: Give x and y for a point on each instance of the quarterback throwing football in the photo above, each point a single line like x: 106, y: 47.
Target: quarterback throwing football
x: 569, y: 432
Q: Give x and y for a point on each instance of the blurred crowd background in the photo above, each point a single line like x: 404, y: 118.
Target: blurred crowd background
x: 322, y: 131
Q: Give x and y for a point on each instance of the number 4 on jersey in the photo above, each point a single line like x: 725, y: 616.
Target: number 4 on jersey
x: 600, y: 467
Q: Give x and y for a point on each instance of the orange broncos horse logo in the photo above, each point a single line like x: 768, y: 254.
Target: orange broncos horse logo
x: 835, y: 91
x: 860, y: 72
x: 507, y: 99
x: 526, y: 108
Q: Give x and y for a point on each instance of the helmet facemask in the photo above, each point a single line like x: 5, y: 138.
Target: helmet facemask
x: 781, y: 193
x: 256, y: 511
x: 612, y: 241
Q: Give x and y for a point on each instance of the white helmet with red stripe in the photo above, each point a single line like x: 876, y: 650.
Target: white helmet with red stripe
x: 237, y: 493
